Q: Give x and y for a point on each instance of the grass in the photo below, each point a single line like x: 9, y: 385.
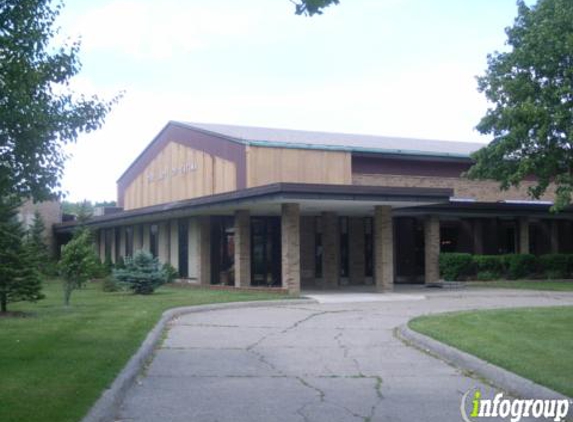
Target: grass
x: 535, y: 343
x: 55, y: 362
x: 553, y: 285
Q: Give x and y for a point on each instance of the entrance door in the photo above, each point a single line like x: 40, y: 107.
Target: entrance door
x: 266, y: 251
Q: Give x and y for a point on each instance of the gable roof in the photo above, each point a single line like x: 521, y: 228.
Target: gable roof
x: 288, y: 138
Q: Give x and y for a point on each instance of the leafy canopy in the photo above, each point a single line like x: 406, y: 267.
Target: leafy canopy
x: 531, y: 91
x: 312, y: 7
x: 79, y: 262
x: 39, y: 113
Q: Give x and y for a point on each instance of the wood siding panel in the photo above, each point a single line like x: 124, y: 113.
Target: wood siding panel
x: 273, y: 165
x: 209, y: 176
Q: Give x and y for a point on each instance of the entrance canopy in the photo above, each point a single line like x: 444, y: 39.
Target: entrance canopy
x: 266, y: 200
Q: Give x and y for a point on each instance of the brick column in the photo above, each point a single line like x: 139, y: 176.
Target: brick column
x: 383, y: 248
x: 163, y: 243
x: 523, y: 235
x: 242, y: 248
x: 174, y: 240
x: 356, y: 264
x: 330, y: 250
x: 290, y: 247
x: 145, y: 242
x: 478, y: 236
x: 432, y: 249
x: 204, y: 272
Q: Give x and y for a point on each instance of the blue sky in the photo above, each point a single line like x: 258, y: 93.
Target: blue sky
x: 385, y: 67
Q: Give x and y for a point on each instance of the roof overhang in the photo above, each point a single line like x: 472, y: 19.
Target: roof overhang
x: 267, y: 200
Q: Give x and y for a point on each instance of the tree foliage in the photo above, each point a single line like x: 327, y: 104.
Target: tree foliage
x: 142, y: 273
x: 39, y: 113
x: 19, y: 279
x: 35, y: 243
x: 312, y: 7
x: 79, y: 262
x: 531, y: 91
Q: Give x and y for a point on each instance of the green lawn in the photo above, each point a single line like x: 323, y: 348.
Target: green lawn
x: 555, y: 285
x: 536, y: 343
x: 55, y: 362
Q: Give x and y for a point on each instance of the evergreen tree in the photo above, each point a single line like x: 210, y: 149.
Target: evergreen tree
x: 36, y: 243
x: 19, y: 280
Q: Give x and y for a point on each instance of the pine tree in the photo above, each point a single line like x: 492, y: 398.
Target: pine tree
x: 19, y: 280
x: 36, y: 243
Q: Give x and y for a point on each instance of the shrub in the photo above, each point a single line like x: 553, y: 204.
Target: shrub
x: 119, y: 263
x: 110, y: 284
x: 519, y: 265
x: 489, y: 263
x: 142, y: 273
x: 170, y: 272
x: 555, y: 265
x: 455, y: 265
x: 487, y: 275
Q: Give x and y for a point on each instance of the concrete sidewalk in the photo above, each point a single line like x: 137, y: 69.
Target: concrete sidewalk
x: 317, y: 362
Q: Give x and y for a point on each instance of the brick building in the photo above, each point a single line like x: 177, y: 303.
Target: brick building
x: 249, y: 206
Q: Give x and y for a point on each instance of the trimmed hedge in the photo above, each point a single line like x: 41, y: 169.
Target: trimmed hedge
x: 459, y: 266
x: 555, y: 265
x: 455, y: 265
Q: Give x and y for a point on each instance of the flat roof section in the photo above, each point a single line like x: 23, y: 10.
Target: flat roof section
x: 267, y: 200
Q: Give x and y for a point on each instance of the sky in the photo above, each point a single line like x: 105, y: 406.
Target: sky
x: 382, y: 67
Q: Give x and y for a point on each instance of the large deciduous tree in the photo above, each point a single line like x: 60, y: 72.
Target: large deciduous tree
x: 312, y: 7
x: 530, y: 87
x: 39, y: 113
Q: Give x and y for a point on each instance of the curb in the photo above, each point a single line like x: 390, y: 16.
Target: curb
x: 106, y: 407
x: 499, y: 377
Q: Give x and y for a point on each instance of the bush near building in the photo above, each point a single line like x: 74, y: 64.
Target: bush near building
x: 463, y: 266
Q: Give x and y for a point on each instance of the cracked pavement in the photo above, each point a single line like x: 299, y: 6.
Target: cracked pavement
x: 317, y: 362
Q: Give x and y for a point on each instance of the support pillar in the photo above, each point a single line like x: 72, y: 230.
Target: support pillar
x: 432, y: 249
x: 383, y: 248
x: 146, y: 245
x: 290, y: 247
x: 330, y: 250
x: 204, y: 273
x: 174, y: 243
x: 523, y: 235
x: 242, y: 248
x: 163, y: 243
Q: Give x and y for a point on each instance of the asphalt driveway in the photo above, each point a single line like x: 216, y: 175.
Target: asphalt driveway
x: 316, y: 362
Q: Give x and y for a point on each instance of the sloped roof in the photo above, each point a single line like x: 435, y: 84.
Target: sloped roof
x: 289, y: 138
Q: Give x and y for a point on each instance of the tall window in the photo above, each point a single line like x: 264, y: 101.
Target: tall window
x: 117, y: 236
x: 368, y: 248
x: 128, y: 241
x: 183, y: 241
x: 344, y: 254
x: 153, y: 239
x: 318, y: 247
x: 108, y: 243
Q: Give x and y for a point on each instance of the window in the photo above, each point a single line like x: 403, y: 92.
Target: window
x: 318, y: 247
x: 153, y: 239
x: 183, y: 241
x: 368, y: 248
x: 128, y: 241
x: 344, y: 253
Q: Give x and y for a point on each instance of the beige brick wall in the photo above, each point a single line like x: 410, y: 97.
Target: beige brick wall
x: 486, y: 191
x: 51, y: 212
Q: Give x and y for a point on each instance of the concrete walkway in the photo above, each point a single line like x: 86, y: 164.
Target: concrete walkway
x: 317, y: 362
